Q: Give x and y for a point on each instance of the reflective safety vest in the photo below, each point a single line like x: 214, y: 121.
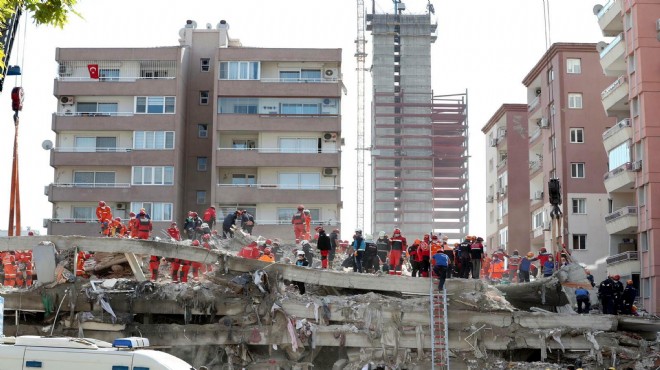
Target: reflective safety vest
x: 298, y: 219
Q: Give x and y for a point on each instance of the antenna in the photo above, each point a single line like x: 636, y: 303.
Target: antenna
x: 47, y: 145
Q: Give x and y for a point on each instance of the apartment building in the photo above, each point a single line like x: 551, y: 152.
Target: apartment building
x: 507, y: 197
x: 631, y: 144
x: 208, y: 122
x: 565, y: 126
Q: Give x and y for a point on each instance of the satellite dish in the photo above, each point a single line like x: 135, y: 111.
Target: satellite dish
x: 601, y: 46
x: 47, y: 145
x: 597, y: 8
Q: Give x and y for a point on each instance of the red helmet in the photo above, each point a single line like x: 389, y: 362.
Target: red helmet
x: 118, y: 219
x: 301, y: 207
x: 396, y: 232
x: 319, y: 228
x: 143, y: 211
x: 195, y: 243
x: 214, y: 232
x: 132, y: 214
x: 616, y: 277
x: 434, y: 237
x: 206, y: 236
x: 30, y: 233
x: 543, y: 250
x: 101, y: 203
x: 194, y: 214
x: 267, y: 251
x: 269, y: 242
x: 173, y: 224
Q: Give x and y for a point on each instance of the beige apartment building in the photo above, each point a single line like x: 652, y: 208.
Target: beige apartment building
x: 208, y: 122
x: 631, y: 58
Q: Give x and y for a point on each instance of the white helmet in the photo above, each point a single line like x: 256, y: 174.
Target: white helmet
x: 381, y: 234
x: 300, y: 253
x: 304, y: 242
x: 358, y: 231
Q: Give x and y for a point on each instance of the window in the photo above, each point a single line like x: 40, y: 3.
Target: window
x: 157, y: 211
x: 632, y: 66
x: 299, y: 145
x: 144, y: 140
x: 154, y: 104
x: 201, y: 196
x: 577, y: 170
x: 95, y: 144
x: 153, y: 175
x: 243, y: 179
x: 239, y: 70
x: 225, y: 209
x: 204, y: 97
x: 290, y: 108
x: 153, y: 73
x: 93, y: 179
x: 551, y: 75
x: 577, y: 135
x: 579, y: 241
x: 641, y: 195
x: 242, y: 144
x: 202, y: 164
x: 299, y: 180
x: 202, y: 130
x: 504, y: 237
x: 575, y: 100
x: 305, y: 75
x: 573, y: 66
x: 84, y: 213
x: 635, y: 107
x: 96, y: 109
x: 646, y: 288
x: 284, y: 215
x: 644, y: 241
x: 538, y: 219
x: 205, y: 64
x: 238, y: 105
x: 579, y: 206
x: 109, y: 74
x: 628, y: 20
x: 619, y: 155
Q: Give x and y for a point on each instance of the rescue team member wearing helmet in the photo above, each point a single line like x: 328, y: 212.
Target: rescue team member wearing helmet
x: 525, y: 266
x: 383, y: 247
x: 132, y: 226
x: 359, y: 246
x: 476, y: 255
x: 463, y: 251
x: 302, y: 262
x: 298, y: 222
x: 628, y: 298
x: 323, y: 244
x: 267, y: 256
x: 399, y: 245
x: 104, y: 216
x: 174, y: 232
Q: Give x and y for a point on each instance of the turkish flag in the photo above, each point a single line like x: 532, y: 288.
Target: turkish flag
x: 93, y: 71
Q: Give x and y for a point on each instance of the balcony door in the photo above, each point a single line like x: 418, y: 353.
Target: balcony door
x: 300, y: 180
x: 95, y: 144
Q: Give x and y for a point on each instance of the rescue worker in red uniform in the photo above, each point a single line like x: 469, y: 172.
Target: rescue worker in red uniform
x: 118, y: 228
x: 104, y: 216
x: 399, y: 245
x: 185, y: 269
x: 298, y: 221
x: 27, y: 260
x: 133, y: 226
x: 543, y: 257
x: 412, y: 254
x: 323, y: 245
x: 9, y: 265
x: 250, y: 251
x: 424, y: 258
x: 196, y: 266
x: 144, y: 224
x: 80, y: 264
x: 21, y: 275
x: 174, y: 232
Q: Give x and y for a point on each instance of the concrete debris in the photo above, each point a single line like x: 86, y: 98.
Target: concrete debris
x: 245, y: 313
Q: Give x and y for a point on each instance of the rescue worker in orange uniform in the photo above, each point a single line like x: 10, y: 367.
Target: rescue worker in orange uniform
x: 414, y: 261
x: 174, y: 232
x: 308, y: 224
x: 80, y: 264
x: 196, y: 266
x: 496, y: 268
x: 27, y: 260
x: 132, y: 226
x: 436, y: 245
x: 185, y: 269
x: 267, y: 256
x: 20, y: 269
x: 298, y: 220
x: 514, y: 262
x: 9, y: 264
x: 424, y: 258
x: 118, y: 228
x: 104, y: 216
x: 399, y: 245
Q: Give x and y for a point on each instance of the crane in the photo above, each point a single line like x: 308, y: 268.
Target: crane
x: 360, y: 57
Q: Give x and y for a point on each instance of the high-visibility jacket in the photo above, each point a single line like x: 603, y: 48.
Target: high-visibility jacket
x: 435, y: 247
x: 8, y: 259
x: 298, y: 219
x: 133, y: 227
x: 104, y: 213
x: 174, y: 233
x: 118, y: 228
x: 267, y: 258
x: 496, y: 269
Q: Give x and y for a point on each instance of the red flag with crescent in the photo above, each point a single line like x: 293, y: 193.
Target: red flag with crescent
x: 93, y: 71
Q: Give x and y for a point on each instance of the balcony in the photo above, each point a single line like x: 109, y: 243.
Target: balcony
x: 610, y: 19
x: 534, y: 103
x: 110, y: 157
x: 624, y: 264
x: 534, y: 135
x: 279, y: 122
x: 622, y: 221
x: 275, y: 157
x: 120, y: 192
x: 114, y: 121
x: 534, y: 167
x: 617, y: 134
x: 275, y: 193
x: 612, y: 57
x: 615, y: 98
x: 279, y: 88
x: 501, y: 164
x: 132, y: 87
x: 620, y: 179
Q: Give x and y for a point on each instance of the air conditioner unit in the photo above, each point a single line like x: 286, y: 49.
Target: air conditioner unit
x: 538, y: 194
x: 330, y: 171
x: 636, y: 165
x: 493, y: 142
x: 330, y: 73
x: 65, y: 70
x: 501, y: 132
x: 330, y: 136
x: 544, y: 123
x: 327, y: 102
x: 121, y: 206
x: 67, y: 100
x: 546, y: 225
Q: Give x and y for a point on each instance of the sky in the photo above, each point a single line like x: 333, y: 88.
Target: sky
x: 484, y: 47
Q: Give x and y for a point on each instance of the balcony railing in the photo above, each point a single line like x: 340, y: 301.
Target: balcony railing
x: 611, y: 45
x: 622, y: 257
x: 535, y: 134
x: 321, y: 80
x: 91, y: 150
x: 283, y: 186
x: 605, y: 8
x: 328, y: 222
x: 534, y: 103
x: 501, y: 164
x: 624, y: 123
x: 625, y: 211
x: 624, y: 167
x: 534, y: 166
x: 289, y: 150
x: 118, y: 71
x: 94, y: 114
x: 92, y: 185
x: 619, y: 81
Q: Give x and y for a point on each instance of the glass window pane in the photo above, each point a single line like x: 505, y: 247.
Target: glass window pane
x: 159, y: 139
x: 169, y: 104
x: 149, y: 140
x: 158, y: 175
x: 83, y: 178
x: 288, y: 180
x: 254, y: 70
x: 310, y: 180
x: 233, y: 70
x: 139, y: 140
x: 169, y: 140
x: 155, y: 104
x: 86, y: 107
x: 137, y: 176
x: 167, y: 212
x: 107, y: 107
x: 104, y: 178
x: 311, y: 74
x: 148, y: 175
x: 288, y: 145
x: 141, y: 104
x: 105, y: 143
x: 169, y: 175
x: 308, y: 145
x: 85, y: 144
x: 83, y: 213
x: 224, y: 70
x: 284, y: 215
x: 289, y: 76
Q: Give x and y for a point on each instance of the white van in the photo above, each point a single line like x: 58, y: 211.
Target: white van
x: 44, y: 353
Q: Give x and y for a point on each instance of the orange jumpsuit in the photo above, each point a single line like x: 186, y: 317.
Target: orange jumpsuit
x: 104, y: 215
x: 24, y: 268
x: 298, y: 222
x: 267, y: 258
x: 8, y: 262
x: 496, y: 269
x: 308, y: 226
x: 133, y: 227
x: 118, y: 229
x: 80, y: 264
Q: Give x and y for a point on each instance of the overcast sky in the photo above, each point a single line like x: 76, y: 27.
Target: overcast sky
x: 484, y: 47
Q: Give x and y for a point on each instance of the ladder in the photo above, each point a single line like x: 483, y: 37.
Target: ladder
x: 439, y: 327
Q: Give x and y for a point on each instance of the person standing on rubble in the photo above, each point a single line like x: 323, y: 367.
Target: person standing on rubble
x: 118, y: 228
x: 464, y: 252
x: 628, y: 298
x: 334, y: 240
x: 104, y: 216
x: 514, y: 265
x: 412, y: 254
x: 606, y: 296
x: 543, y: 257
x: 277, y: 251
x: 424, y: 258
x: 383, y: 247
x: 590, y: 277
x: 525, y: 266
x: 210, y: 216
x: 174, y: 232
x: 582, y: 297
x: 618, y: 293
x: 298, y: 222
x: 228, y: 223
x: 399, y: 245
x: 9, y: 265
x: 189, y: 225
x: 247, y: 221
x: 323, y: 245
x: 267, y: 256
x: 476, y: 255
x: 308, y: 224
x: 359, y: 246
x: 302, y: 262
x: 549, y: 267
x: 132, y: 226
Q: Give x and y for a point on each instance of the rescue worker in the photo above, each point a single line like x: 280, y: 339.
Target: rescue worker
x: 323, y: 244
x: 302, y: 262
x: 298, y: 222
x: 383, y: 249
x: 398, y: 246
x: 582, y: 297
x: 185, y: 269
x: 189, y: 225
x: 267, y: 256
x: 476, y: 255
x: 548, y: 267
x: 173, y: 232
x: 250, y: 251
x: 144, y: 224
x: 543, y: 257
x: 359, y: 246
x: 132, y: 226
x: 26, y: 260
x: 80, y: 264
x: 628, y: 298
x: 307, y: 248
x: 228, y: 223
x: 277, y: 251
x: 514, y: 265
x: 412, y: 254
x: 104, y: 216
x: 524, y: 267
x: 496, y: 269
x: 590, y: 277
x: 196, y: 266
x: 118, y: 228
x: 370, y: 261
x: 175, y: 264
x: 449, y: 251
x: 440, y: 264
x: 424, y: 258
x: 618, y: 293
x: 9, y: 265
x: 20, y: 269
x: 308, y: 224
x: 464, y: 252
x: 606, y: 296
x: 435, y: 244
x: 196, y: 225
x: 210, y: 216
x: 334, y: 240
x: 247, y: 221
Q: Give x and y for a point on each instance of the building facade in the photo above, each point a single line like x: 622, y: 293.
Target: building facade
x: 419, y: 140
x: 565, y: 126
x: 632, y: 143
x: 209, y: 122
x: 508, y: 202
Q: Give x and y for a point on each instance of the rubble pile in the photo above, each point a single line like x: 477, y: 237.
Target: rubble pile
x: 247, y: 314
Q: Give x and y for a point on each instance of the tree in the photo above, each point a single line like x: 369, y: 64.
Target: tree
x: 44, y: 12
